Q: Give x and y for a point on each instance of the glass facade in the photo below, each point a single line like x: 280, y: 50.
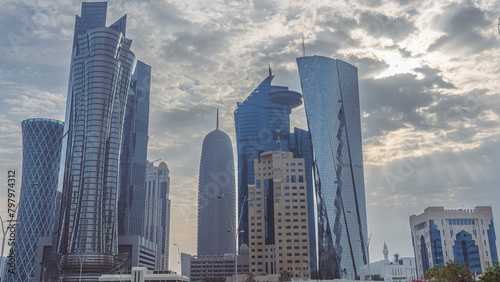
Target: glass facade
x: 331, y: 98
x: 436, y: 245
x: 157, y: 211
x: 133, y: 154
x: 466, y: 251
x: 492, y: 240
x: 38, y: 197
x: 216, y: 178
x: 101, y: 70
x: 257, y: 120
x: 424, y: 254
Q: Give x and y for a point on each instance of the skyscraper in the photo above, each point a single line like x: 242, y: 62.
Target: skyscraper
x: 101, y: 70
x: 38, y: 199
x: 133, y: 156
x: 216, y: 179
x: 331, y: 99
x: 257, y: 120
x: 279, y: 233
x: 157, y: 211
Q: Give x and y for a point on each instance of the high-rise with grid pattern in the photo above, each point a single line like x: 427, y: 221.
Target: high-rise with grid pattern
x: 331, y: 99
x: 37, y: 203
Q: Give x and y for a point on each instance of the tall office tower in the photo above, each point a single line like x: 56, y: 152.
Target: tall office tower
x: 216, y: 195
x: 331, y: 99
x: 157, y: 211
x: 257, y: 120
x: 279, y: 231
x: 101, y: 70
x: 463, y: 235
x: 38, y: 199
x: 133, y: 154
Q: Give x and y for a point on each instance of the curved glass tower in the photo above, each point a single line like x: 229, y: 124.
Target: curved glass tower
x: 101, y: 70
x: 37, y: 202
x: 215, y: 215
x: 331, y: 98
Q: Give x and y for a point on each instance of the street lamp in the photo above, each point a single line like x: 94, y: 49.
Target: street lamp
x: 180, y: 260
x: 365, y: 244
x: 235, y: 230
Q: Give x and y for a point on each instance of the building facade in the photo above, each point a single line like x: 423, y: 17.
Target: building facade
x: 216, y: 196
x: 258, y: 119
x: 157, y: 211
x: 199, y: 268
x: 100, y: 74
x: 142, y: 274
x: 466, y: 236
x: 278, y: 219
x: 402, y: 270
x: 42, y: 139
x: 133, y: 156
x: 331, y: 99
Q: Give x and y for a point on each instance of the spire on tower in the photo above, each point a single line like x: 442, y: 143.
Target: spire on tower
x: 303, y: 46
x: 217, y: 124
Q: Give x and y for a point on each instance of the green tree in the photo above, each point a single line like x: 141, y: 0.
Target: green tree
x: 375, y: 277
x: 492, y: 273
x: 214, y: 279
x: 314, y: 275
x: 451, y: 272
x: 396, y: 259
x: 285, y: 276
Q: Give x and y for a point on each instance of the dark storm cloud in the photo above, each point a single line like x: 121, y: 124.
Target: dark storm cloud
x: 462, y: 25
x: 396, y: 100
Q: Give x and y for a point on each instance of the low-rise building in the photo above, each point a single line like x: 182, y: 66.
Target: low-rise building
x: 401, y: 269
x: 202, y: 267
x: 142, y: 274
x: 463, y: 235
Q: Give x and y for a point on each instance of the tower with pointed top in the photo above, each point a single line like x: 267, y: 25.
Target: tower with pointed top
x: 100, y: 74
x: 216, y: 195
x: 386, y: 252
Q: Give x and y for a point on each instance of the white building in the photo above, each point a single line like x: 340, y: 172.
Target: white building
x: 464, y: 235
x: 402, y: 270
x: 142, y: 274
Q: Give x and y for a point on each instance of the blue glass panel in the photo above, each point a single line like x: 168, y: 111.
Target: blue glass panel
x: 331, y: 99
x: 436, y: 247
x: 42, y: 140
x: 466, y: 251
x: 492, y: 241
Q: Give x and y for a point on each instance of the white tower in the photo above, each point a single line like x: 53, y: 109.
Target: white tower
x: 386, y: 252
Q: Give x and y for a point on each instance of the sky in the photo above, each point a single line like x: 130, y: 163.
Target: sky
x: 429, y: 93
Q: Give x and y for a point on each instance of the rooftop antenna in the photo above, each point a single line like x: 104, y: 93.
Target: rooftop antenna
x: 303, y: 46
x: 278, y: 131
x: 217, y: 124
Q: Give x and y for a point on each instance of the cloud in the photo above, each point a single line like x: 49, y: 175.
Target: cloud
x: 428, y: 85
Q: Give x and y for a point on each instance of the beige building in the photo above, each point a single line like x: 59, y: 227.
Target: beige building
x: 277, y: 211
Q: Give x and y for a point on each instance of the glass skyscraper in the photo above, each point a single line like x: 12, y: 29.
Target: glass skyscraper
x: 133, y: 155
x: 331, y: 98
x: 258, y: 119
x: 38, y: 198
x: 216, y: 179
x: 157, y: 211
x: 100, y: 75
